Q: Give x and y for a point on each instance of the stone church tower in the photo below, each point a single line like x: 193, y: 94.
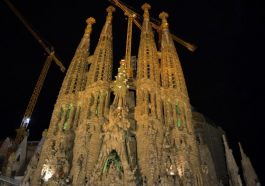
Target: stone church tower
x: 142, y: 135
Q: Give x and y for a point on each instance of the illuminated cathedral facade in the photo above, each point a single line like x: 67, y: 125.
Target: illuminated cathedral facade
x: 136, y: 129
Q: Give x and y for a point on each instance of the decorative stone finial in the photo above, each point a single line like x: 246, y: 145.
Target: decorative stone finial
x: 110, y: 10
x: 90, y: 21
x: 146, y: 7
x: 163, y: 16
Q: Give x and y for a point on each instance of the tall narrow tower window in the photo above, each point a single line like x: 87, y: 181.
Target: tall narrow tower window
x: 149, y: 103
x: 148, y: 71
x: 67, y: 116
x: 178, y: 110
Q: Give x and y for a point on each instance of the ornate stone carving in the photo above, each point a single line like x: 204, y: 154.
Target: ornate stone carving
x: 92, y: 141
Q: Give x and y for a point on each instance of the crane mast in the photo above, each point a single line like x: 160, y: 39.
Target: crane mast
x: 126, y: 10
x: 129, y: 45
x: 37, y: 89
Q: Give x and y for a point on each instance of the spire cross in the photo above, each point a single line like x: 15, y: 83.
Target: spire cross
x: 163, y: 16
x: 146, y: 7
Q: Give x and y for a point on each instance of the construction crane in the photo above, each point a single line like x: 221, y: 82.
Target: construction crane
x: 136, y: 21
x: 129, y: 45
x: 51, y: 57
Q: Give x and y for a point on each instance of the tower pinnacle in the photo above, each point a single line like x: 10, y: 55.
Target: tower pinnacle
x: 90, y: 21
x: 75, y: 78
x: 232, y: 167
x: 249, y: 173
x: 101, y: 68
x: 110, y: 10
x: 146, y: 7
x: 164, y: 16
x: 175, y: 103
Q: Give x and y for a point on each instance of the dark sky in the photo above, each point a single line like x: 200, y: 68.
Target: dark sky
x: 224, y: 76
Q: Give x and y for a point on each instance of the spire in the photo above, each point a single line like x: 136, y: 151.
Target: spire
x: 110, y: 10
x: 101, y: 68
x: 164, y: 16
x: 243, y: 155
x: 95, y: 103
x: 146, y: 7
x: 171, y: 71
x: 250, y: 175
x: 75, y: 78
x: 148, y: 72
x: 64, y: 117
x: 175, y: 103
x: 146, y: 27
x: 148, y: 107
x: 147, y: 56
x: 232, y: 167
x: 85, y: 42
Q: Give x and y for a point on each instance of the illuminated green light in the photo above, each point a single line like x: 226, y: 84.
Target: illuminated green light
x: 67, y: 116
x: 65, y: 125
x: 177, y: 110
x: 178, y: 123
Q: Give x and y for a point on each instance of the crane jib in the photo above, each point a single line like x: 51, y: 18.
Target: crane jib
x: 136, y: 21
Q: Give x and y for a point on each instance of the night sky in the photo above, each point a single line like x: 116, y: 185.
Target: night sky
x: 224, y: 76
